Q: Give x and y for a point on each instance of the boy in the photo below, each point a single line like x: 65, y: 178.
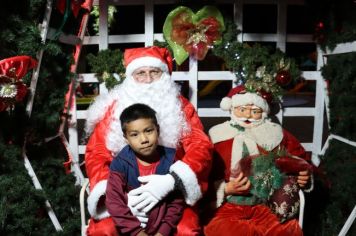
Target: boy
x: 142, y: 156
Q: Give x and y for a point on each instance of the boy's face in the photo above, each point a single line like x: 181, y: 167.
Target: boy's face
x: 142, y: 136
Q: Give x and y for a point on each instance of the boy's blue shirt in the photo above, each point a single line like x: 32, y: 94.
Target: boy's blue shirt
x: 125, y: 162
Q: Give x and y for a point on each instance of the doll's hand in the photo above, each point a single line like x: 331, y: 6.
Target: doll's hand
x: 238, y: 186
x: 303, y: 178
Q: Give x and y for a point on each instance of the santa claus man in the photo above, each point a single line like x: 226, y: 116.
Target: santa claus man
x: 248, y: 134
x: 147, y: 81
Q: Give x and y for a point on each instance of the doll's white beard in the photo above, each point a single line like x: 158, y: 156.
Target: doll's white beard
x: 161, y: 95
x: 241, y: 121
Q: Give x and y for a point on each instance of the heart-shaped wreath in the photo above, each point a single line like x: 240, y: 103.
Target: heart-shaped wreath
x: 193, y: 34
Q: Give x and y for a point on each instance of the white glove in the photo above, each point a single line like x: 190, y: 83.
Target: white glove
x: 140, y: 215
x: 155, y: 188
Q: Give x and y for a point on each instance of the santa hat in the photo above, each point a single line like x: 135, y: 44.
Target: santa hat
x: 150, y: 56
x: 239, y: 96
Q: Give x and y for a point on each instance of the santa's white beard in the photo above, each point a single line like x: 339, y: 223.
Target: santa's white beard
x: 161, y: 95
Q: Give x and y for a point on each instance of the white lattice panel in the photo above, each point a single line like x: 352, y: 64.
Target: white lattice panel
x: 193, y: 75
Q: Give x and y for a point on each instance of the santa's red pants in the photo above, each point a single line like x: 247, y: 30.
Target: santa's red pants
x: 232, y: 219
x: 188, y: 226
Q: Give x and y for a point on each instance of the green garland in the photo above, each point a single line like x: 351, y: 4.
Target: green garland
x: 95, y: 14
x: 264, y: 178
x: 339, y: 160
x: 339, y: 164
x: 342, y: 96
x: 333, y: 199
x: 108, y: 67
x: 22, y: 207
x: 255, y: 66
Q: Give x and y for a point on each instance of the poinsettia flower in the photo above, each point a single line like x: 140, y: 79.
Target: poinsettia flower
x: 12, y: 70
x: 192, y: 34
x: 195, y: 38
x: 8, y: 91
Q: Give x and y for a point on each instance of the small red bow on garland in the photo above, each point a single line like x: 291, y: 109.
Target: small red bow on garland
x: 193, y: 34
x: 12, y: 89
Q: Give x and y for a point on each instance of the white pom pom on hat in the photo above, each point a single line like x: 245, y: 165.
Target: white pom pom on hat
x: 226, y: 103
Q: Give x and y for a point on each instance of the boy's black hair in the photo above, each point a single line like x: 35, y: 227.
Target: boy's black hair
x: 135, y: 112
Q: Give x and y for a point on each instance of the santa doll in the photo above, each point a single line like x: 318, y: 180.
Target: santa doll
x: 148, y: 81
x: 248, y: 151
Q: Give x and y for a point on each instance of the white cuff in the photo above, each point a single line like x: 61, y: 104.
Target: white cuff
x: 189, y: 180
x: 98, y: 191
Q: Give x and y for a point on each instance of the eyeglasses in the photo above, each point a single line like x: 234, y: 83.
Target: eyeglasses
x: 154, y: 74
x: 247, y: 110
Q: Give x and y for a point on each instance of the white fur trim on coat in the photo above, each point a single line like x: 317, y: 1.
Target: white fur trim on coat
x: 220, y: 192
x: 250, y: 98
x: 268, y: 135
x: 93, y: 199
x: 145, y: 61
x: 97, y: 110
x: 189, y: 180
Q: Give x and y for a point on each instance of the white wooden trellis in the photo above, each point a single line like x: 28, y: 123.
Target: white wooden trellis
x: 193, y: 75
x: 340, y: 49
x: 44, y: 29
x: 46, y: 33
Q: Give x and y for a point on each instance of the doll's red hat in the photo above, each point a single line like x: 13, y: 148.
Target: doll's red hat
x: 239, y: 96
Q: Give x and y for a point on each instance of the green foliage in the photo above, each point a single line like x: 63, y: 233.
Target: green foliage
x: 22, y: 207
x: 105, y: 64
x: 335, y: 21
x: 245, y: 60
x: 95, y: 13
x: 339, y: 163
x: 342, y: 87
x: 266, y: 176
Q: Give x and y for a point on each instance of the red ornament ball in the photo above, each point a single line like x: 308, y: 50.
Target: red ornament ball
x: 266, y: 95
x: 283, y: 78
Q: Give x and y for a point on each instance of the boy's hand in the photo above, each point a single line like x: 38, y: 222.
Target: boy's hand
x: 238, y: 186
x: 155, y: 188
x: 142, y: 233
